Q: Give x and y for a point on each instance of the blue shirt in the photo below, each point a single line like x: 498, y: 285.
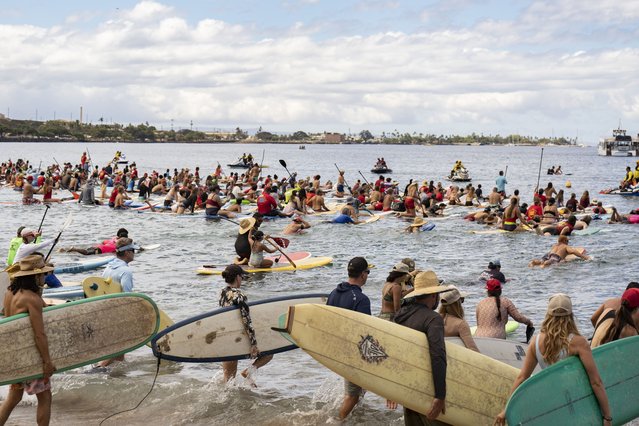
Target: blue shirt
x: 351, y: 297
x: 343, y: 218
x: 118, y: 271
x: 501, y: 183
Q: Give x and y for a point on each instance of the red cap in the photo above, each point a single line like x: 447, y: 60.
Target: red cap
x: 29, y: 177
x: 493, y: 284
x: 631, y: 296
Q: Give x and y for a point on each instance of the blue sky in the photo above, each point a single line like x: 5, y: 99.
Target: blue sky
x: 541, y: 68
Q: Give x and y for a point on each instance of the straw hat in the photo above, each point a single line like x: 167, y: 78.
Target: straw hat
x: 418, y: 221
x: 246, y: 225
x: 452, y: 296
x: 29, y: 265
x: 427, y: 283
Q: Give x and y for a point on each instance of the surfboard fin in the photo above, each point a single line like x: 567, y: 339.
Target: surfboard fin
x: 279, y: 330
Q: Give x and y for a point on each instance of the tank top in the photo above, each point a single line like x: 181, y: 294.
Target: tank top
x: 540, y: 359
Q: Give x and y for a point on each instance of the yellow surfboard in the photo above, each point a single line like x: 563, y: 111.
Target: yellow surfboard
x: 308, y: 263
x: 392, y: 361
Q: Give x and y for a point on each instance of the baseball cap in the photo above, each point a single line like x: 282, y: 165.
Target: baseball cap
x: 631, y: 297
x: 124, y: 244
x: 357, y: 265
x: 494, y: 264
x: 401, y: 267
x: 410, y: 263
x: 493, y: 284
x: 27, y: 232
x: 559, y: 305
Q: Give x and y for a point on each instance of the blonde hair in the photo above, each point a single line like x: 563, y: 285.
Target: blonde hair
x: 557, y: 330
x: 454, y: 309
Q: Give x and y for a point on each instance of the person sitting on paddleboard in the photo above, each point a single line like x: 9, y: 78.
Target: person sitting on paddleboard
x: 511, y: 214
x: 24, y: 295
x: 620, y: 323
x: 452, y: 311
x: 257, y: 251
x: 559, y: 338
x: 492, y: 312
x: 242, y: 245
x: 268, y: 206
x: 562, y: 228
x: 231, y: 295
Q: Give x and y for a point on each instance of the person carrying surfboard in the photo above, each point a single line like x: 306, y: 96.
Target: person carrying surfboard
x: 24, y: 295
x: 559, y: 338
x: 418, y: 312
x: 348, y: 295
x: 231, y: 295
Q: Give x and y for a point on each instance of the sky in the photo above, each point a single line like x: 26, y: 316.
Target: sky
x: 539, y: 68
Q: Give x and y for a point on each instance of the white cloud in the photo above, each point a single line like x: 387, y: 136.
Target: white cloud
x: 150, y: 64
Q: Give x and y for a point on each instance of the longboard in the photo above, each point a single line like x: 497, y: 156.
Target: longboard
x: 219, y: 335
x: 507, y: 351
x: 392, y: 361
x: 64, y: 293
x: 79, y: 333
x: 4, y: 283
x: 308, y: 263
x: 82, y: 266
x: 561, y: 394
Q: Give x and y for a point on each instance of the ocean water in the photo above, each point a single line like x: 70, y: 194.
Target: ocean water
x: 293, y: 388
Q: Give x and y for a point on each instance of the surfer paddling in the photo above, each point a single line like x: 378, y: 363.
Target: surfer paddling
x: 559, y: 339
x: 24, y: 296
x: 558, y: 253
x: 231, y: 295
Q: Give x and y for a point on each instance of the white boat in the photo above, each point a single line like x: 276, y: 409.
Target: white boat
x: 619, y: 145
x: 461, y: 175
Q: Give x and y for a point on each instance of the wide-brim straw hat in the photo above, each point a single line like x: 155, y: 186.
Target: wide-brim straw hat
x: 418, y: 221
x: 246, y: 225
x: 29, y: 265
x: 427, y: 283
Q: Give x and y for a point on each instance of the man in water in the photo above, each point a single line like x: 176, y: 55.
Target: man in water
x: 418, y: 312
x: 24, y: 296
x: 558, y: 253
x: 349, y: 295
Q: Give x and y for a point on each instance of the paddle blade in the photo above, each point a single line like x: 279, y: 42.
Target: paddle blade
x: 283, y: 163
x: 282, y: 242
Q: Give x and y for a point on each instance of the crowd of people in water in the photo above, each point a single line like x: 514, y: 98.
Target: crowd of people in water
x: 410, y: 296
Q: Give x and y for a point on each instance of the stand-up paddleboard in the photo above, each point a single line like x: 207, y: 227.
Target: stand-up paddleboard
x: 587, y: 231
x: 561, y: 394
x: 4, y: 283
x: 392, y: 361
x: 64, y: 293
x: 511, y: 327
x: 278, y: 259
x: 308, y: 263
x: 79, y: 333
x: 373, y: 218
x: 219, y: 335
x: 82, y: 266
x: 507, y: 351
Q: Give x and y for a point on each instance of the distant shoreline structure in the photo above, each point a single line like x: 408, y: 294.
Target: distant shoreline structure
x: 64, y: 131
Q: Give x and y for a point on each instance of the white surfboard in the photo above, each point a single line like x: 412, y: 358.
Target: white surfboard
x: 219, y: 335
x: 507, y: 351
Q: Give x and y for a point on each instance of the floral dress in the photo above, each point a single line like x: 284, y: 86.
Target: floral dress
x: 234, y: 297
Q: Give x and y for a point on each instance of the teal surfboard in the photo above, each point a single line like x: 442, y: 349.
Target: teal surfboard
x: 561, y: 394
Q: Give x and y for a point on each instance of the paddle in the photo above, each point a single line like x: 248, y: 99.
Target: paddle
x: 261, y: 164
x: 283, y: 163
x: 506, y: 172
x: 282, y: 251
x: 65, y: 225
x: 365, y: 180
x: 47, y: 207
x: 540, y: 161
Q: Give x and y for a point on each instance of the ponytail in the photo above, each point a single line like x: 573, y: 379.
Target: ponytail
x: 623, y: 317
x: 496, y: 294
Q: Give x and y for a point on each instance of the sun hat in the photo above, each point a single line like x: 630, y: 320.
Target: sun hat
x: 451, y: 296
x: 401, y: 267
x: 410, y: 263
x: 357, y: 265
x: 29, y: 265
x: 426, y: 283
x: 631, y: 296
x: 493, y: 284
x: 417, y: 222
x: 559, y: 305
x: 246, y: 225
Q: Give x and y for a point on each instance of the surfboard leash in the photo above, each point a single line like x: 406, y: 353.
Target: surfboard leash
x: 157, y: 371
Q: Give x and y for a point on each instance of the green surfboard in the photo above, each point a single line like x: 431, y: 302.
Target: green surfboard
x: 561, y: 394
